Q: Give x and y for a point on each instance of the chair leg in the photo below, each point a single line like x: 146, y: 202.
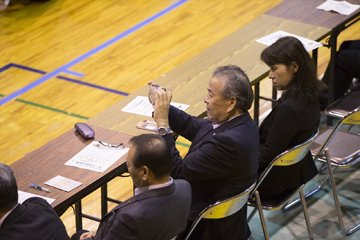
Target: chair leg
x: 193, y: 225
x: 306, y: 215
x: 309, y: 194
x: 251, y: 215
x: 336, y: 199
x: 262, y: 218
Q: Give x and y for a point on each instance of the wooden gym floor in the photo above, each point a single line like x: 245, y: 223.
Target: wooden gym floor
x: 79, y: 57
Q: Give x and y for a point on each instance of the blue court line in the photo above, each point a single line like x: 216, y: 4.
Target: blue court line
x: 21, y: 67
x: 64, y: 78
x: 92, y: 85
x: 91, y: 52
x: 76, y: 74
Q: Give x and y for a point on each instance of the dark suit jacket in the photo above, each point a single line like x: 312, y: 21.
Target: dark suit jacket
x: 152, y: 215
x: 220, y: 164
x: 290, y: 123
x: 35, y: 219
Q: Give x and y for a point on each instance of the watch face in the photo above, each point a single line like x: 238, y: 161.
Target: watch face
x: 162, y: 131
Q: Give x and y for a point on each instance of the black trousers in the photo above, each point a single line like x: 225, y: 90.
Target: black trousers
x: 347, y: 67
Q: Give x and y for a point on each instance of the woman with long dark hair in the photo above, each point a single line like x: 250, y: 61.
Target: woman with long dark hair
x: 295, y: 118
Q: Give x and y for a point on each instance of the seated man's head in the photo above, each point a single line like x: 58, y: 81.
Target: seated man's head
x: 229, y: 94
x: 8, y: 189
x: 149, y: 160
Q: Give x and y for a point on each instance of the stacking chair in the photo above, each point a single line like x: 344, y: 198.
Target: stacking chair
x: 287, y: 158
x: 222, y: 209
x: 338, y: 109
x: 341, y: 107
x: 338, y: 148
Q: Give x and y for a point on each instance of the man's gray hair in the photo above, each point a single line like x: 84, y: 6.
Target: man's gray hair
x: 237, y: 85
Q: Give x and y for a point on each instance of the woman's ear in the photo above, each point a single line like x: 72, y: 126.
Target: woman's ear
x: 294, y: 67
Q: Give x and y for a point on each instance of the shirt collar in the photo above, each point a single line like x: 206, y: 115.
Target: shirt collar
x: 7, y: 214
x: 139, y: 190
x: 219, y: 124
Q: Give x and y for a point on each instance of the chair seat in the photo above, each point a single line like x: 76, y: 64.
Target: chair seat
x: 276, y: 202
x: 344, y: 105
x: 344, y: 147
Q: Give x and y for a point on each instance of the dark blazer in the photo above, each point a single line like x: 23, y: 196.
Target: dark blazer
x: 152, y: 215
x: 290, y: 123
x: 34, y: 219
x: 219, y: 164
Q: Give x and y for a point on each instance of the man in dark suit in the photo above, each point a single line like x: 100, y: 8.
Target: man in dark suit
x: 223, y: 158
x: 160, y: 207
x: 34, y: 219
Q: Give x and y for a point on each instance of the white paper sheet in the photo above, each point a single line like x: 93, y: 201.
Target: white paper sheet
x: 342, y: 7
x: 63, y: 183
x: 273, y: 37
x: 25, y: 195
x: 141, y: 105
x: 96, y: 157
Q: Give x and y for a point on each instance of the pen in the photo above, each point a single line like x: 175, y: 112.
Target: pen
x: 39, y: 187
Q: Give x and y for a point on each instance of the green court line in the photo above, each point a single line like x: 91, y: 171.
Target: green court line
x: 48, y: 108
x: 70, y: 114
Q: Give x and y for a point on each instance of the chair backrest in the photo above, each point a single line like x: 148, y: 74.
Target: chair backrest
x: 352, y: 118
x: 289, y: 157
x: 223, y: 208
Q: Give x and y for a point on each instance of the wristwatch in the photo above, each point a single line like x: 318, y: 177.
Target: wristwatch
x: 162, y: 131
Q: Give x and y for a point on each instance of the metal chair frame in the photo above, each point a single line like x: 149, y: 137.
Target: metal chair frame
x: 222, y: 209
x: 323, y: 155
x: 287, y: 158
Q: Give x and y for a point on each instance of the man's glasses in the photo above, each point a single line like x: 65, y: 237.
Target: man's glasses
x: 108, y: 145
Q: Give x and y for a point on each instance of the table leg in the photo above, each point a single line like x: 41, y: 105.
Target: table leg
x: 331, y: 85
x: 315, y: 57
x: 104, y: 206
x: 78, y: 217
x: 274, y: 96
x: 256, y: 102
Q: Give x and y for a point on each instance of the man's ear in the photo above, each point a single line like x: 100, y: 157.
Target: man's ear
x: 145, y: 173
x: 232, y: 103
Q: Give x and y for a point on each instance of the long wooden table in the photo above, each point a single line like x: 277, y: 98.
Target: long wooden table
x: 48, y: 161
x: 189, y: 80
x: 306, y: 12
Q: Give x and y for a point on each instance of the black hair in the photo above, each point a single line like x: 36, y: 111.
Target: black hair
x: 287, y: 50
x: 152, y: 151
x: 8, y: 189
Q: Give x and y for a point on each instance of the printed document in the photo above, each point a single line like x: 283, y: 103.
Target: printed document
x: 97, y: 157
x: 25, y: 195
x: 63, y: 183
x: 273, y: 37
x: 141, y: 105
x: 342, y: 7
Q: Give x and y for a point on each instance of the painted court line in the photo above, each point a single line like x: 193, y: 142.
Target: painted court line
x: 64, y: 78
x: 47, y: 108
x: 70, y: 114
x: 93, y: 85
x: 90, y: 53
x: 76, y: 74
